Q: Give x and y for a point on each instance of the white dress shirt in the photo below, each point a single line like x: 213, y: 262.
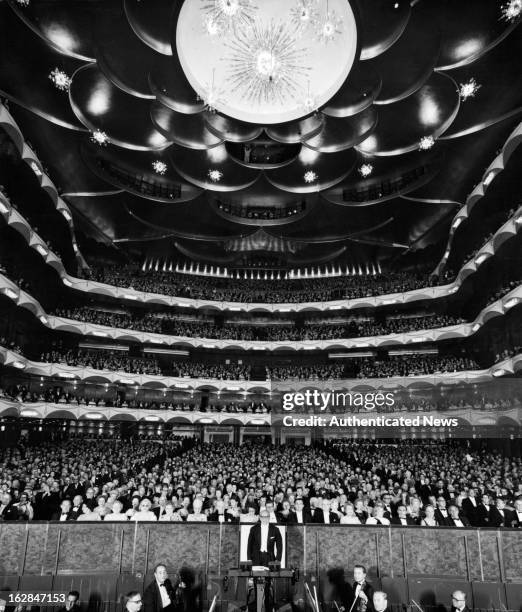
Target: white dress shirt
x: 299, y: 516
x: 264, y: 538
x: 165, y: 599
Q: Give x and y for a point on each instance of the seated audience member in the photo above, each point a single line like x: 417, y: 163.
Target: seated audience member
x: 402, y: 517
x: 160, y: 594
x: 144, y: 512
x: 64, y: 513
x: 429, y: 519
x: 8, y: 511
x: 456, y: 519
x: 170, y: 516
x: 116, y: 515
x: 378, y: 517
x: 350, y: 518
x: 88, y: 514
x: 197, y: 515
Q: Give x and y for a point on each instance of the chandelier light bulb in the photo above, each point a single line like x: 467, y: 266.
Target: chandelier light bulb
x: 215, y: 175
x: 99, y: 137
x: 310, y: 176
x: 511, y: 10
x: 468, y: 89
x: 60, y: 79
x: 365, y: 170
x: 159, y: 166
x: 426, y: 142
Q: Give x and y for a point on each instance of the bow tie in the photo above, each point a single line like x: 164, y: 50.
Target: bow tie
x: 162, y: 584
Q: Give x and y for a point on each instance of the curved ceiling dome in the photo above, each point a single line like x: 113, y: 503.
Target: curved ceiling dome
x: 266, y: 61
x: 372, y: 118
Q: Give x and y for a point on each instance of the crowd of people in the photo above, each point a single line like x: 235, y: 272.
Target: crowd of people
x: 347, y: 482
x: 165, y: 323
x: 305, y: 372
x: 272, y: 291
x: 415, y: 365
x: 220, y: 371
x: 114, y: 361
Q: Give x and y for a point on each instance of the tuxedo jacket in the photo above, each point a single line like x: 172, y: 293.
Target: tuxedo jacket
x: 359, y: 604
x: 9, y: 513
x: 334, y: 518
x: 274, y: 544
x: 470, y: 511
x: 56, y: 516
x: 464, y: 519
x: 483, y: 515
x: 152, y: 596
x: 441, y: 520
x: 287, y: 519
x: 497, y: 520
x: 315, y: 516
x: 395, y: 520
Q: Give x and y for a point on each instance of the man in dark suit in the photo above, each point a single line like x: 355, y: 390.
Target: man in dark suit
x: 517, y: 518
x: 76, y: 509
x: 458, y: 602
x: 316, y: 514
x: 441, y: 513
x: 402, y: 517
x: 362, y: 600
x: 8, y: 511
x: 500, y: 516
x: 455, y: 519
x: 265, y: 543
x: 483, y: 512
x: 469, y: 507
x: 64, y: 514
x: 160, y: 595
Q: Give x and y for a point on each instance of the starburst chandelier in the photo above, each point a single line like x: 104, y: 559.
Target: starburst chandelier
x: 329, y: 26
x: 304, y: 14
x: 60, y: 79
x: 215, y: 175
x: 310, y: 176
x: 365, y: 170
x: 511, y: 10
x: 213, y: 95
x: 99, y: 137
x: 426, y: 142
x: 267, y: 64
x: 468, y: 89
x: 228, y: 15
x: 159, y: 167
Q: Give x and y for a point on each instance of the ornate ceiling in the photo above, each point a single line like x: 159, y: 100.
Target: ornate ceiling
x: 138, y: 136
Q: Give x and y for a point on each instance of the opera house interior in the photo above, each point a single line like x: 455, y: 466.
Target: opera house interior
x: 260, y: 279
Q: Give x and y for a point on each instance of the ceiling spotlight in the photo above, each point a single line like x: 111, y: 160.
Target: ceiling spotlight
x: 468, y: 89
x: 310, y: 176
x: 159, y: 166
x: 511, y: 10
x: 365, y: 170
x: 215, y: 175
x: 60, y: 79
x: 99, y: 137
x: 426, y: 142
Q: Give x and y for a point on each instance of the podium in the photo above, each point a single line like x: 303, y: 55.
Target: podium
x: 262, y: 583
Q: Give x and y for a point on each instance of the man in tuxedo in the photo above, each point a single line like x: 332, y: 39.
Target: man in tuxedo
x: 362, y: 591
x: 8, y: 512
x: 389, y: 510
x: 441, y: 513
x: 500, y: 516
x: 265, y: 543
x: 402, y: 517
x: 160, y: 594
x: 483, y: 512
x: 301, y: 515
x: 455, y: 520
x: 458, y: 602
x: 517, y: 520
x: 316, y: 514
x: 71, y: 602
x: 76, y: 509
x: 328, y: 516
x: 64, y: 514
x: 469, y: 507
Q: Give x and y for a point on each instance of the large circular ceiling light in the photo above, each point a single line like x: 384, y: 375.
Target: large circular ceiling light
x: 266, y: 63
